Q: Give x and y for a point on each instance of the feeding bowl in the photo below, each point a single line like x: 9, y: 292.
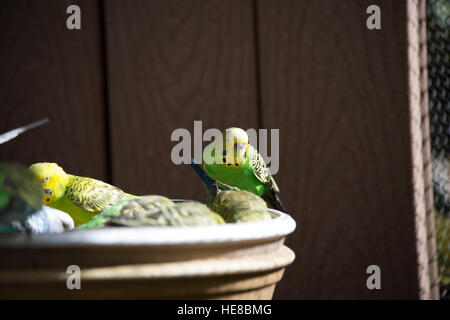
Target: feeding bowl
x: 229, y: 261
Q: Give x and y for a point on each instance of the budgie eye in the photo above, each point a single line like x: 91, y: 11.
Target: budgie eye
x: 46, y: 179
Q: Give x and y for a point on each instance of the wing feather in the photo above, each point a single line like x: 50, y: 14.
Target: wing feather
x: 93, y: 195
x: 260, y: 169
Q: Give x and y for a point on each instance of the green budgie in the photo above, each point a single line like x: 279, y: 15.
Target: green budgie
x: 127, y: 208
x: 240, y: 206
x: 80, y: 197
x: 233, y: 161
x: 233, y: 205
x: 20, y: 192
x: 154, y: 210
x: 181, y: 214
x: 21, y: 208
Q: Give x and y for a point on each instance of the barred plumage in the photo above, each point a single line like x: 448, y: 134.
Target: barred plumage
x: 131, y: 209
x: 180, y: 214
x: 240, y: 206
x: 81, y: 197
x: 92, y: 195
x: 260, y: 169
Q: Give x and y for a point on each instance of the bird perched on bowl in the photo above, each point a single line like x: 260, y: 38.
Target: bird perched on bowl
x: 154, y: 210
x: 129, y: 209
x: 233, y: 205
x: 21, y: 208
x: 233, y: 161
x: 184, y: 214
x: 81, y: 197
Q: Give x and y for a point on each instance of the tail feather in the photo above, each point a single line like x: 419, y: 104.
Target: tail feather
x: 274, y: 200
x: 210, y: 184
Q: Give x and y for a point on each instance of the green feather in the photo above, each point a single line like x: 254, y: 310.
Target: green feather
x: 180, y: 214
x: 242, y: 177
x: 154, y: 210
x: 240, y: 206
x: 4, y: 199
x: 18, y: 182
x: 127, y: 209
x: 20, y: 195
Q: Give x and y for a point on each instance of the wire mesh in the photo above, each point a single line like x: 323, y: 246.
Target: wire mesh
x: 438, y: 46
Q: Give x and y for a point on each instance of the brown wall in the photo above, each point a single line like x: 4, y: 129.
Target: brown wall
x: 116, y: 89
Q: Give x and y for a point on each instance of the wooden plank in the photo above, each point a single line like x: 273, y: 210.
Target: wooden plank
x: 50, y: 71
x: 339, y: 93
x: 426, y: 147
x: 170, y: 63
x: 418, y: 105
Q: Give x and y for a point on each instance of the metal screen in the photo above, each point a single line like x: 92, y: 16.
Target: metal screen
x: 438, y: 28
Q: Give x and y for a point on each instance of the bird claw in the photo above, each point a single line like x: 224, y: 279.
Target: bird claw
x: 226, y: 186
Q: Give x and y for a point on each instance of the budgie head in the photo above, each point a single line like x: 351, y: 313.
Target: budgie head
x: 235, y: 147
x: 20, y: 191
x: 54, y: 180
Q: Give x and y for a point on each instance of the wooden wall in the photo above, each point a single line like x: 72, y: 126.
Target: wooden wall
x: 48, y: 71
x: 116, y: 89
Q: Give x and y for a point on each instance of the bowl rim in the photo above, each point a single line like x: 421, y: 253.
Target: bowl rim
x: 280, y: 226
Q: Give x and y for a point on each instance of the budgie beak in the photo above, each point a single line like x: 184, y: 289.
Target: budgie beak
x: 235, y: 154
x: 240, y: 153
